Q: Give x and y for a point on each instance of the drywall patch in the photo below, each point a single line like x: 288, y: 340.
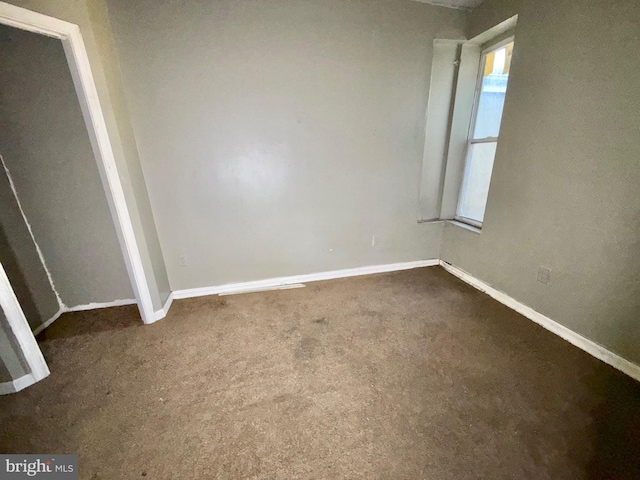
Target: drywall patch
x: 33, y: 238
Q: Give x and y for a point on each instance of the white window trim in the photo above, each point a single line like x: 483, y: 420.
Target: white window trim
x: 492, y: 47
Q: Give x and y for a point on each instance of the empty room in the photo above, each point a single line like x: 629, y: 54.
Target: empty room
x: 320, y: 239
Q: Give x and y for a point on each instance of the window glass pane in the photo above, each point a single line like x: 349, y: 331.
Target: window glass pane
x: 475, y: 189
x: 493, y: 89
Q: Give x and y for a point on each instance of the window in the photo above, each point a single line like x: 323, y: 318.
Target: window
x: 483, y: 133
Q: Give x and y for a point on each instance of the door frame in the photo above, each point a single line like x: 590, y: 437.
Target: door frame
x: 87, y: 93
x: 24, y: 339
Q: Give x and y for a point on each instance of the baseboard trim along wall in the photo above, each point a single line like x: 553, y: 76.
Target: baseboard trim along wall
x: 95, y: 306
x: 49, y: 322
x: 288, y: 286
x: 82, y: 308
x: 589, y: 346
x: 17, y: 384
x: 160, y: 314
x: 273, y: 283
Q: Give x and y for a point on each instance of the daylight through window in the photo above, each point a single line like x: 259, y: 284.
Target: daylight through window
x: 485, y: 128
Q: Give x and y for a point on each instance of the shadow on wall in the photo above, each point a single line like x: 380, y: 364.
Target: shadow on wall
x: 18, y: 281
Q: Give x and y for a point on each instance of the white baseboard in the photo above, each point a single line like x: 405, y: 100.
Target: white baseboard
x: 17, y: 385
x: 311, y: 277
x: 81, y: 308
x: 589, y: 346
x: 95, y: 306
x: 160, y: 314
x: 288, y: 286
x: 48, y: 322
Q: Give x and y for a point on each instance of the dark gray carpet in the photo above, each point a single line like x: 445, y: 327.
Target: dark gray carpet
x: 410, y: 375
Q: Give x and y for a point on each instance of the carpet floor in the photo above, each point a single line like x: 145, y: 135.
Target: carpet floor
x: 407, y: 375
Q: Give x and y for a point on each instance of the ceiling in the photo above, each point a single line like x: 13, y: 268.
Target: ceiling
x: 453, y: 3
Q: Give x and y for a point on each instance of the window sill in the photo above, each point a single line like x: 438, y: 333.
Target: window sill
x: 466, y: 226
x: 435, y: 220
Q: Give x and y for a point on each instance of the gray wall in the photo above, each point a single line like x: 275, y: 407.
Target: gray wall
x: 152, y: 257
x: 278, y: 137
x: 46, y: 147
x: 90, y: 16
x: 565, y: 189
x: 12, y: 362
x: 21, y: 262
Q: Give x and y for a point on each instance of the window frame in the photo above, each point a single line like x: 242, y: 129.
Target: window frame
x: 484, y: 53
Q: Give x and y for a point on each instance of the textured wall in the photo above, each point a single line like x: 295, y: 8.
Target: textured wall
x: 279, y: 137
x: 19, y: 257
x: 564, y: 192
x: 90, y: 16
x: 47, y: 150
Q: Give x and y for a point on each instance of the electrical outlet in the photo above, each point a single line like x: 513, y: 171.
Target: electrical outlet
x: 182, y: 260
x: 544, y: 275
x: 374, y: 240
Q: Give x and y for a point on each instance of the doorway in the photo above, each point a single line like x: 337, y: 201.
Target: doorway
x: 13, y: 317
